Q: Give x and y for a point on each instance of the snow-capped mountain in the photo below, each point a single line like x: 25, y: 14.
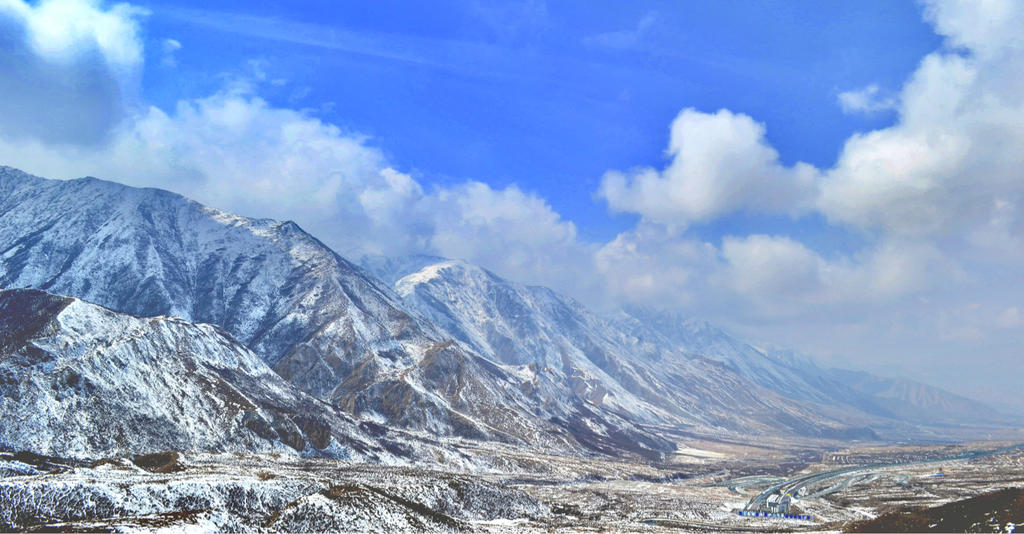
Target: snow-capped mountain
x: 441, y: 346
x: 319, y: 321
x: 80, y: 380
x: 571, y: 352
x: 793, y: 376
x: 799, y: 377
x: 913, y: 401
x: 651, y: 365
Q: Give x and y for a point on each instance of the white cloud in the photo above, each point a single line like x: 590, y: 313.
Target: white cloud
x: 63, y: 31
x: 659, y: 265
x: 721, y: 163
x: 935, y: 197
x: 782, y: 276
x: 954, y: 155
x: 512, y: 232
x: 67, y: 69
x: 869, y: 99
x: 770, y: 267
x: 234, y: 151
x: 168, y: 47
x: 986, y: 27
x: 763, y: 278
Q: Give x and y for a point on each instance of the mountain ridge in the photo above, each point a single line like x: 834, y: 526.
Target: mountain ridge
x: 458, y: 351
x: 318, y: 320
x: 658, y: 337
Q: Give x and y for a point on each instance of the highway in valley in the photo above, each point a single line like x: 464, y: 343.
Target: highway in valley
x: 793, y: 485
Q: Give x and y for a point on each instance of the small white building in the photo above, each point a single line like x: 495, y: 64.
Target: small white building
x: 778, y: 503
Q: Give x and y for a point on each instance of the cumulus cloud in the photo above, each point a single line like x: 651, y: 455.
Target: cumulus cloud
x: 779, y: 275
x: 66, y: 68
x: 764, y: 278
x: 936, y: 196
x: 987, y: 28
x: 512, y: 232
x: 721, y: 163
x: 769, y: 267
x: 955, y: 153
x: 870, y: 99
x: 231, y: 146
x: 65, y: 30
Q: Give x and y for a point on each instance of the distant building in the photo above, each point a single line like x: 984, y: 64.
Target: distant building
x: 784, y: 503
x: 778, y: 504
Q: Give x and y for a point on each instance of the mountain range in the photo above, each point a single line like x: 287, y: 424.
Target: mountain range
x: 213, y: 331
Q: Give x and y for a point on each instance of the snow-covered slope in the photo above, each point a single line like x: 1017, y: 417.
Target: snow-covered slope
x: 449, y: 349
x: 657, y: 366
x: 319, y: 321
x: 793, y: 376
x: 150, y: 252
x: 914, y: 401
x: 80, y: 380
x: 798, y: 376
x: 572, y: 353
x: 244, y: 493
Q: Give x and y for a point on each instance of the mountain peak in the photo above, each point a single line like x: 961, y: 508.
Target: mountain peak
x: 318, y: 321
x: 450, y: 271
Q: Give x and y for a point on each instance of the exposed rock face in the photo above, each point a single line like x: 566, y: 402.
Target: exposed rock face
x: 150, y: 252
x: 618, y: 364
x: 322, y: 323
x: 449, y: 349
x: 84, y: 381
x: 658, y: 366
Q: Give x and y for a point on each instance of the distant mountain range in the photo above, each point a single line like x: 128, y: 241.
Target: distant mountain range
x: 308, y: 348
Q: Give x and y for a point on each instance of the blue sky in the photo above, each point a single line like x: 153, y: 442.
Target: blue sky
x: 838, y: 177
x: 549, y: 97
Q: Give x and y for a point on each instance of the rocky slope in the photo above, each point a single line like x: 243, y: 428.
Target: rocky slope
x: 319, y: 321
x: 570, y: 352
x: 250, y: 493
x: 656, y: 365
x: 799, y: 377
x: 80, y: 380
x: 440, y: 347
x: 913, y: 401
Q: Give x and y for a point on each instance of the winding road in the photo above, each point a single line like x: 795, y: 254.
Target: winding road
x: 794, y: 485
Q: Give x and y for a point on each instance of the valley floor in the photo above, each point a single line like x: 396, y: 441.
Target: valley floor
x: 700, y: 489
